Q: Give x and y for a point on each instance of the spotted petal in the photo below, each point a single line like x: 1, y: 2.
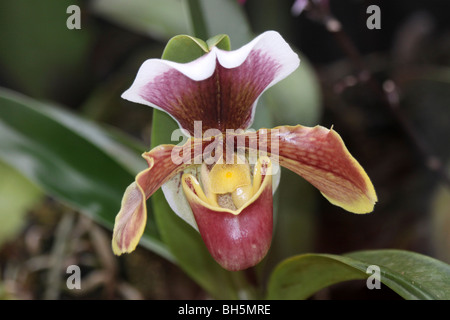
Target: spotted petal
x: 320, y: 156
x: 131, y: 219
x: 220, y: 88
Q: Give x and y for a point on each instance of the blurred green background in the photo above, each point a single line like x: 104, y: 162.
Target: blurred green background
x: 46, y: 226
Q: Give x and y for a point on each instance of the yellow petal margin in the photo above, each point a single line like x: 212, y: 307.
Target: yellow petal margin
x: 132, y: 217
x: 320, y: 156
x: 130, y: 221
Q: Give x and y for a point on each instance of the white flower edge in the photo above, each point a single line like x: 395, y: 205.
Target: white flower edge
x: 269, y: 43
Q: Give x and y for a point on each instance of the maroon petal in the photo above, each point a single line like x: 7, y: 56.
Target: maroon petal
x: 320, y: 156
x: 130, y: 221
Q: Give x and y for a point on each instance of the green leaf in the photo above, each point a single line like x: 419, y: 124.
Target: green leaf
x: 159, y: 19
x: 221, y: 41
x: 17, y: 195
x: 440, y: 223
x: 411, y: 275
x: 184, y: 48
x: 72, y: 159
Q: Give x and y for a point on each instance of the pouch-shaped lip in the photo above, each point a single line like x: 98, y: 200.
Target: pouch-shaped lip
x: 236, y: 239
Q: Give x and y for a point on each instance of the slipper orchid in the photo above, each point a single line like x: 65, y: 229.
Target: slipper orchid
x: 222, y: 183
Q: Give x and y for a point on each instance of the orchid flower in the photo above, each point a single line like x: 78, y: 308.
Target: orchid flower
x: 222, y: 183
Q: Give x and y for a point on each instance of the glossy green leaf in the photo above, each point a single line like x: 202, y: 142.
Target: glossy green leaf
x: 159, y: 19
x: 70, y: 158
x: 17, y: 195
x: 221, y: 41
x: 184, y: 48
x: 411, y: 275
x: 440, y: 223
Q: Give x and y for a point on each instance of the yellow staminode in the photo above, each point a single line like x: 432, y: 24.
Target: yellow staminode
x: 227, y: 178
x: 238, y: 184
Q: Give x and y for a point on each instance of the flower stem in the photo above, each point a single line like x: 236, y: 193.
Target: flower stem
x: 245, y: 290
x: 198, y: 21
